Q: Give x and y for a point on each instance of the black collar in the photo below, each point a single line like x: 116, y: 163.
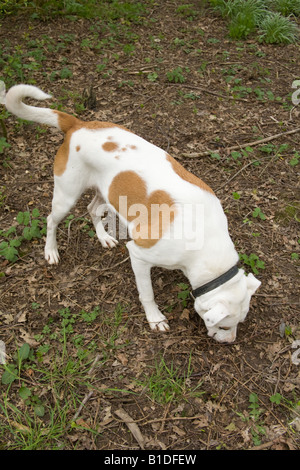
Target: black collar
x: 215, y: 283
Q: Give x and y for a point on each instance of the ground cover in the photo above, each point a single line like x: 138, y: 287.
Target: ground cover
x: 81, y: 357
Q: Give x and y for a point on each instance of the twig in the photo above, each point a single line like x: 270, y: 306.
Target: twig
x: 266, y: 444
x: 241, y: 146
x: 205, y: 90
x: 86, y: 398
x: 89, y: 394
x: 133, y: 427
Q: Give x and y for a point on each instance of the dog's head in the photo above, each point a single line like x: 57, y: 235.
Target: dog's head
x: 226, y: 306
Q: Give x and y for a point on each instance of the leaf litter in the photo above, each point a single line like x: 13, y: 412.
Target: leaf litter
x: 113, y: 410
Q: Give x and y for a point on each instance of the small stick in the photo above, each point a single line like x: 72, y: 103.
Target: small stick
x: 241, y: 146
x: 133, y: 427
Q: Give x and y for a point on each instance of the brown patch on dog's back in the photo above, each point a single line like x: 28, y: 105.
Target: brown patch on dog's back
x: 151, y: 224
x: 187, y: 176
x: 70, y: 124
x: 109, y: 146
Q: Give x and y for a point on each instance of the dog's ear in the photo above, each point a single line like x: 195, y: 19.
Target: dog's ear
x: 252, y: 283
x: 215, y: 315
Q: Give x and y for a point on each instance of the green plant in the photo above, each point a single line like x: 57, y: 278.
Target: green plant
x: 31, y: 227
x: 184, y: 293
x: 244, y: 15
x: 295, y: 160
x: 166, y: 383
x: 12, y: 371
x: 253, y: 261
x: 152, y: 76
x: 3, y: 144
x: 110, y: 10
x: 287, y: 7
x: 269, y: 19
x: 187, y: 10
x: 255, y: 412
x: 253, y: 416
x: 176, y: 75
x: 257, y: 213
x: 278, y: 29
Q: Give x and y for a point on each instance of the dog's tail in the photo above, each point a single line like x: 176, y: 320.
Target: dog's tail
x: 14, y: 104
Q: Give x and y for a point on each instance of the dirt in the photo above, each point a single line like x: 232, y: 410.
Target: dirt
x: 201, y: 115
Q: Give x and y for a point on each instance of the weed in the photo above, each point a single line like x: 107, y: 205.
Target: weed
x: 166, y: 384
x: 253, y: 261
x: 277, y: 29
x: 255, y: 412
x: 108, y: 10
x: 176, y: 75
x: 257, y: 213
x: 268, y: 19
x: 152, y: 76
x: 254, y: 417
x: 245, y: 18
x: 64, y: 376
x: 295, y: 160
x: 187, y: 11
x: 184, y: 293
x: 31, y: 227
x: 287, y: 7
x: 3, y: 144
x: 278, y: 399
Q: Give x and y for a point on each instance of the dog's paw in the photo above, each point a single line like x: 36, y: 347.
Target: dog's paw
x: 107, y: 241
x: 160, y: 326
x: 52, y: 256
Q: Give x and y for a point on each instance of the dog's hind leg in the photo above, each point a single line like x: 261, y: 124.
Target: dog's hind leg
x: 64, y: 198
x: 97, y: 209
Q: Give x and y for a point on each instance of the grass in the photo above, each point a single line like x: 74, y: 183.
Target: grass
x: 167, y: 384
x: 270, y: 21
x: 278, y: 29
x: 130, y: 11
x: 49, y: 381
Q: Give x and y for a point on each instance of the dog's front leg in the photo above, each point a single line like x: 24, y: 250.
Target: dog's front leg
x: 142, y: 272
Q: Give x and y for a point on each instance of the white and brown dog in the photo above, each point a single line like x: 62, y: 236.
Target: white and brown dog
x: 174, y: 219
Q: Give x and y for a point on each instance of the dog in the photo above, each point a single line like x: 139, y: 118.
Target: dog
x: 174, y: 219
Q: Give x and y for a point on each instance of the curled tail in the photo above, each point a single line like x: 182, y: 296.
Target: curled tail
x: 14, y: 104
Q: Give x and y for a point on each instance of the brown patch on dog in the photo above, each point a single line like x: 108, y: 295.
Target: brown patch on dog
x: 133, y: 147
x: 156, y: 210
x: 62, y: 156
x: 77, y: 148
x: 70, y: 124
x: 187, y: 176
x: 66, y: 121
x: 109, y: 146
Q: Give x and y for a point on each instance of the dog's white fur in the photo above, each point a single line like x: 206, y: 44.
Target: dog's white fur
x: 88, y: 165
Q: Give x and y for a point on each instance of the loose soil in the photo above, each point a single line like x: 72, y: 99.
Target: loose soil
x: 190, y: 120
